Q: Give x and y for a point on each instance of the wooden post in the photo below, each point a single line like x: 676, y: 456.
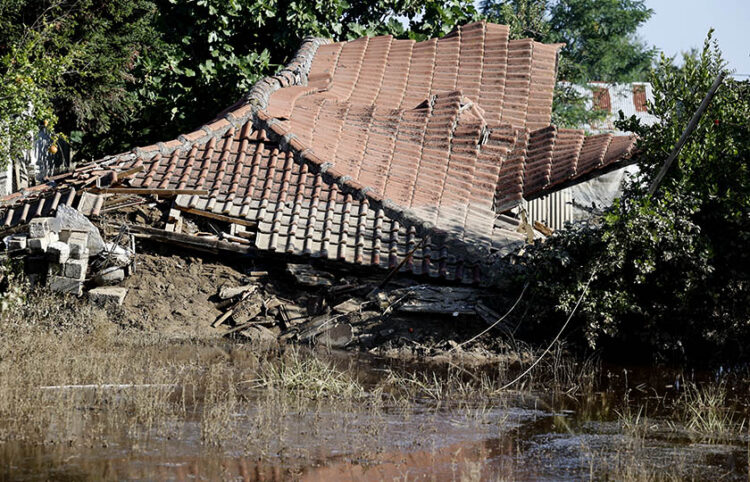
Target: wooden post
x: 688, y: 130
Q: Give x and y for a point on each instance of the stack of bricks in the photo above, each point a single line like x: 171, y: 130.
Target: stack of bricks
x: 65, y: 250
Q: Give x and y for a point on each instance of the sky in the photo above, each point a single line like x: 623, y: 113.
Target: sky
x: 678, y: 25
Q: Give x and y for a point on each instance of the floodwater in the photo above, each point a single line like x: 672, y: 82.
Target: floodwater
x: 529, y: 435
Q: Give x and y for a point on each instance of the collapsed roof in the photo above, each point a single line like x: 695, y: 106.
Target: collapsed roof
x: 357, y: 151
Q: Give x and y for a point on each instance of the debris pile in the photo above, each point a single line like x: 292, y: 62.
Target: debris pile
x: 68, y: 254
x: 309, y: 306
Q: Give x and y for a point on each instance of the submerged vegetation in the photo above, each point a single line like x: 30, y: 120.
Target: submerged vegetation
x: 75, y: 382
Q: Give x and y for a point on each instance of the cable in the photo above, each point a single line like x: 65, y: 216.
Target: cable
x: 495, y: 323
x: 585, y: 289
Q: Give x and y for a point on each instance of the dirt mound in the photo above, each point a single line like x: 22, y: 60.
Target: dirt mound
x: 174, y: 295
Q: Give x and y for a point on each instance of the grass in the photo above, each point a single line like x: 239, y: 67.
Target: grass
x: 705, y: 411
x: 284, y: 405
x: 304, y: 374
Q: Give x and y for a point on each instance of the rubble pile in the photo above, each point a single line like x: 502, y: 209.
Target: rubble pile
x: 67, y: 254
x: 315, y: 307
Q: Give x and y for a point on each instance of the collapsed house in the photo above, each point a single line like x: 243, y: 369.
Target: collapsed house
x: 378, y: 152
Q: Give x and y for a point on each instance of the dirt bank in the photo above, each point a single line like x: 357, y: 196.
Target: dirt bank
x: 178, y: 296
x: 174, y: 295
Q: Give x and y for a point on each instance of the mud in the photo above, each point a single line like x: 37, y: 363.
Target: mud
x: 175, y: 295
x: 178, y: 296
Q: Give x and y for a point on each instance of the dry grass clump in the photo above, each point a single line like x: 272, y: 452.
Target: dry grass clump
x: 72, y: 375
x: 456, y: 383
x: 303, y: 374
x: 705, y: 411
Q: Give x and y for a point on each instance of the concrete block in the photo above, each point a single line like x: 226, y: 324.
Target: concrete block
x: 17, y: 242
x: 38, y: 245
x: 76, y: 269
x: 74, y: 235
x: 40, y: 227
x: 61, y: 284
x: 58, y: 252
x: 108, y: 295
x: 79, y: 250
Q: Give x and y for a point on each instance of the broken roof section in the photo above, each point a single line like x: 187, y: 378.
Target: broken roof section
x: 358, y: 150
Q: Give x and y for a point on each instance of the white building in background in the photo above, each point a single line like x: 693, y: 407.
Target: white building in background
x: 36, y: 164
x: 578, y: 202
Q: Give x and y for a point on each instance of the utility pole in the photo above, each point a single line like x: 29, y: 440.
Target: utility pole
x: 688, y: 130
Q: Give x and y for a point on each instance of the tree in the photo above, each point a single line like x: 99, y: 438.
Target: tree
x: 27, y: 77
x: 671, y: 277
x: 148, y: 70
x: 600, y: 43
x: 79, y: 55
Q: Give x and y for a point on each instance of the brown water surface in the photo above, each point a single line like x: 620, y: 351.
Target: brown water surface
x: 527, y: 435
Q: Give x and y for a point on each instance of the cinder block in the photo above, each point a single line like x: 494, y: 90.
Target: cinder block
x: 78, y: 250
x: 109, y: 276
x: 76, y: 269
x: 74, y: 235
x: 58, y: 251
x: 40, y: 227
x: 16, y: 242
x: 108, y: 295
x: 61, y: 284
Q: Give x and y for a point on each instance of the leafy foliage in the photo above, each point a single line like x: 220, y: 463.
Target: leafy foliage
x: 77, y: 57
x: 27, y: 76
x: 133, y: 72
x: 672, y: 278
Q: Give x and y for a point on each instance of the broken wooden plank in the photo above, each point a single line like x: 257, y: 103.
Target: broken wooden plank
x: 202, y: 243
x: 235, y: 239
x: 229, y: 312
x: 130, y: 172
x: 226, y: 292
x: 308, y: 276
x: 218, y: 217
x: 308, y: 330
x: 119, y: 202
x: 243, y: 326
x: 547, y: 231
x: 250, y: 235
x: 247, y: 309
x: 349, y: 306
x: 146, y: 191
x: 436, y: 300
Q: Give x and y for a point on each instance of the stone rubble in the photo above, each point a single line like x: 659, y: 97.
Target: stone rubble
x: 68, y: 254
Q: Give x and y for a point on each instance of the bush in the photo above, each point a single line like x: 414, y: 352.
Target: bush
x: 671, y: 271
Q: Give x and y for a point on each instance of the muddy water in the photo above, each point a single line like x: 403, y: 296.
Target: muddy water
x: 520, y: 436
